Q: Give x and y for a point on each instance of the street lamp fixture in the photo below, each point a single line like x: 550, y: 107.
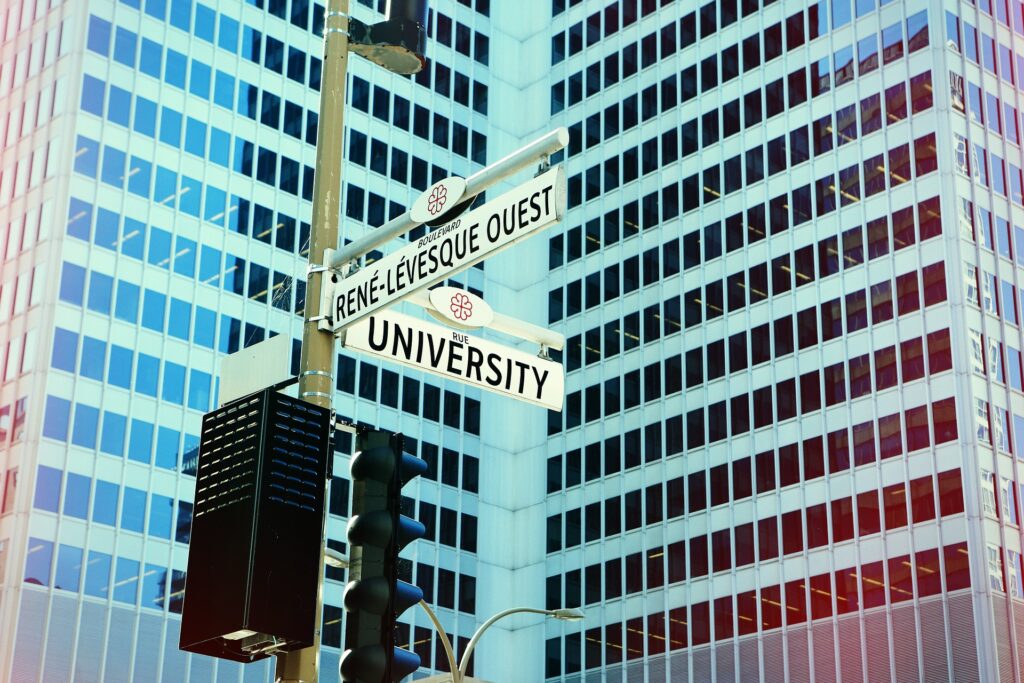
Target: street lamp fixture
x: 567, y: 614
x: 332, y: 558
x: 459, y: 673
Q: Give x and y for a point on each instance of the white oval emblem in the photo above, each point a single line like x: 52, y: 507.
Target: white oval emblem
x: 460, y: 308
x: 438, y: 199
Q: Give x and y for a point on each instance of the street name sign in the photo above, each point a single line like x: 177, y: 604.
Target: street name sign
x: 452, y: 248
x: 457, y: 356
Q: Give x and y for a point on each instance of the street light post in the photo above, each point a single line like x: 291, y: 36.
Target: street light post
x: 561, y: 614
x: 459, y: 674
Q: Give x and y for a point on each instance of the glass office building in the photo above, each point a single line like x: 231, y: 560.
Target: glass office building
x: 155, y: 191
x: 788, y: 283
x: 794, y: 431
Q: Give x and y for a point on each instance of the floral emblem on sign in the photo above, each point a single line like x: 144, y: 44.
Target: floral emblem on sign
x: 462, y: 307
x: 437, y: 200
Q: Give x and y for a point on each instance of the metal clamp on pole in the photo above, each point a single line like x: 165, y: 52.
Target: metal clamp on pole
x: 336, y: 14
x: 544, y: 167
x: 320, y: 373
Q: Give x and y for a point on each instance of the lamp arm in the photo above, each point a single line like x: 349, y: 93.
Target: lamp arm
x: 464, y: 664
x: 444, y: 642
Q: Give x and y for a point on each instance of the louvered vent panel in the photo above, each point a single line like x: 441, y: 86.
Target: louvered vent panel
x: 594, y: 677
x: 750, y: 670
x: 60, y: 638
x: 774, y: 661
x: 175, y: 659
x: 613, y: 673
x: 1004, y: 656
x: 824, y: 652
x: 328, y: 662
x: 28, y: 648
x: 229, y: 457
x: 904, y: 628
x: 263, y: 672
x: 850, y: 662
x: 701, y: 664
x: 293, y: 453
x: 92, y: 628
x: 635, y: 672
x: 679, y: 667
x: 799, y: 664
x: 725, y: 663
x: 933, y: 641
x: 876, y: 642
x: 231, y: 672
x: 1018, y: 622
x: 119, y: 645
x: 573, y: 679
x: 657, y: 669
x: 965, y: 649
x: 201, y: 669
x: 147, y: 647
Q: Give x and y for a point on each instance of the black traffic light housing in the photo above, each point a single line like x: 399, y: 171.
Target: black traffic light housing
x: 254, y: 553
x: 379, y: 531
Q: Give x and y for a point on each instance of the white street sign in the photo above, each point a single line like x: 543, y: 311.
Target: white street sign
x: 452, y: 248
x: 462, y: 309
x: 458, y: 356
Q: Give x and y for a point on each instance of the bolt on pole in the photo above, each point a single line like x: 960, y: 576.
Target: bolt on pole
x: 316, y: 364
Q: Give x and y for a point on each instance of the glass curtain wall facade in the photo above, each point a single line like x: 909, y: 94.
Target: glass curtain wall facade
x: 155, y: 192
x: 789, y: 284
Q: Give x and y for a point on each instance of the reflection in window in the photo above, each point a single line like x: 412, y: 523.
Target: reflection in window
x: 133, y: 509
x: 69, y: 568
x: 38, y: 561
x: 47, y: 493
x: 126, y: 580
x: 153, y: 583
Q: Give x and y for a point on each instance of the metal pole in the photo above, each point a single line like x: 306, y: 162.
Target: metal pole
x: 316, y: 364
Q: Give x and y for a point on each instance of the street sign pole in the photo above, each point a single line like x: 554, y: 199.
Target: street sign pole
x: 316, y: 364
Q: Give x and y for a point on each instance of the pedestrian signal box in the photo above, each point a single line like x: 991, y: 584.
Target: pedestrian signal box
x: 254, y: 556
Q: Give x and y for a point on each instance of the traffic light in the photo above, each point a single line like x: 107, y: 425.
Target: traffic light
x: 378, y: 529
